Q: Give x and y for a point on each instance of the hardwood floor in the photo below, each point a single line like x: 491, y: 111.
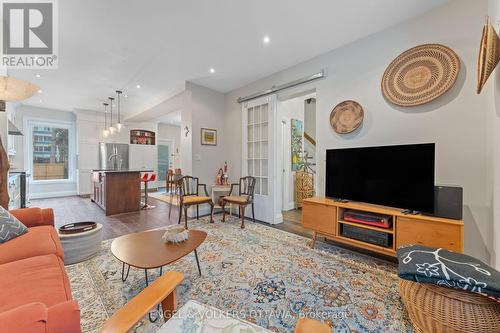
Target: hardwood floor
x: 77, y: 209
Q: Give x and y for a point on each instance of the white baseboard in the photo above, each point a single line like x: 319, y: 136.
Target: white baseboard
x: 52, y: 194
x: 290, y: 205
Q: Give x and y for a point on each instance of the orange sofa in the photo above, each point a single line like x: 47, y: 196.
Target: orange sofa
x: 35, y: 294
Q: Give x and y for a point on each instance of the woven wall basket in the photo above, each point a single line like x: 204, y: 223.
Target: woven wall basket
x: 489, y: 55
x: 420, y: 75
x: 346, y: 117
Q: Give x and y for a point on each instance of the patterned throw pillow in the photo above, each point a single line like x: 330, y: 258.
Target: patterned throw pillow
x: 10, y: 226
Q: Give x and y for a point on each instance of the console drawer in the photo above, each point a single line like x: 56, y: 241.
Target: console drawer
x: 320, y: 218
x: 429, y: 233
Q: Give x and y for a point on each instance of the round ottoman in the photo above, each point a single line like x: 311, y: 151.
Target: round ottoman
x: 439, y: 309
x: 82, y: 245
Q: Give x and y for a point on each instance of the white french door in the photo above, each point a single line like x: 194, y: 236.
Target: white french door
x: 258, y: 154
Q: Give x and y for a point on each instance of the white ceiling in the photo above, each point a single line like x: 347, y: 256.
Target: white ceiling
x: 159, y: 44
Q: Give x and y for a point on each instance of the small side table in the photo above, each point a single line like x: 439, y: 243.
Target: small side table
x: 219, y: 191
x: 82, y: 245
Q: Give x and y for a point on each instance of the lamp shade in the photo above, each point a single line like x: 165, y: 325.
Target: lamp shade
x: 12, y: 89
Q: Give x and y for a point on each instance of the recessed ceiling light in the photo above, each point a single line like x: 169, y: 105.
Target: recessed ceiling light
x: 138, y: 86
x: 40, y: 91
x: 212, y: 70
x: 266, y: 39
x: 37, y: 75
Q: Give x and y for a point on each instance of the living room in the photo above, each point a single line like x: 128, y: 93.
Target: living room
x: 325, y: 167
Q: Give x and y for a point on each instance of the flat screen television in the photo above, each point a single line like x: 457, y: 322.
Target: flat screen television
x: 396, y: 176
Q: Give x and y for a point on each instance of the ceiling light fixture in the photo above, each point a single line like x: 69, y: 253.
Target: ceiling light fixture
x: 118, y: 124
x: 212, y: 70
x: 111, y: 128
x: 12, y: 89
x: 266, y: 39
x: 138, y: 86
x: 105, y: 133
x: 38, y: 75
x: 40, y: 91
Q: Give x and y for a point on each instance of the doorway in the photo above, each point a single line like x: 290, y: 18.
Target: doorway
x: 297, y: 144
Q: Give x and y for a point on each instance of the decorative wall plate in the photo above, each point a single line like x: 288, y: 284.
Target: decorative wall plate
x: 420, y: 75
x: 489, y: 55
x: 346, y: 117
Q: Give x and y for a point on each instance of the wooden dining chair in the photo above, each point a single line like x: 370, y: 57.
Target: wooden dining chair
x: 187, y: 189
x: 246, y: 187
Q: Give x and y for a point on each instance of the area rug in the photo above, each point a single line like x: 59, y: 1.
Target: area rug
x: 261, y: 274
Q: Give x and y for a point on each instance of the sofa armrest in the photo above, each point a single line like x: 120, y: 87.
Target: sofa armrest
x: 27, y: 318
x: 33, y: 217
x: 162, y: 290
x: 64, y: 318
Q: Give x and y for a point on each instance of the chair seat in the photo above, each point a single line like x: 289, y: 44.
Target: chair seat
x: 195, y: 200
x: 236, y: 199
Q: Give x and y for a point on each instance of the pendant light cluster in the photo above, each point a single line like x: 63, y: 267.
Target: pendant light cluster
x: 117, y: 126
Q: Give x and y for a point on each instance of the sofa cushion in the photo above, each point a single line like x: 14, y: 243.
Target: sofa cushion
x: 10, y: 226
x: 37, y: 279
x: 37, y: 241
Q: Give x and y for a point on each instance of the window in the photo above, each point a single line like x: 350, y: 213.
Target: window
x: 50, y: 151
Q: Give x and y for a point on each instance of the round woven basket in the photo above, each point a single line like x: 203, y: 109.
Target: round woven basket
x: 420, y: 75
x: 439, y: 309
x: 346, y: 117
x: 489, y: 55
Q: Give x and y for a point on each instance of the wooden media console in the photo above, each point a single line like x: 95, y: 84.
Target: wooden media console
x: 325, y: 217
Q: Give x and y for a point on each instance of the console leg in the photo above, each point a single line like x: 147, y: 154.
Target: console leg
x: 313, y: 242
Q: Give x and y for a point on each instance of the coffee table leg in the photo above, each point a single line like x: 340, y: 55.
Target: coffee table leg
x: 158, y: 307
x: 197, y: 261
x: 123, y: 272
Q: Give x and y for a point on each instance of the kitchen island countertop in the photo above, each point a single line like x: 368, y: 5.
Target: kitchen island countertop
x: 122, y: 170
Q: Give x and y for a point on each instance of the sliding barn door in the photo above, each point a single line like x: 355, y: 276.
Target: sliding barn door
x: 258, y: 157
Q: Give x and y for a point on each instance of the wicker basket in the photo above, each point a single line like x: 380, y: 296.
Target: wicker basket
x: 439, y: 309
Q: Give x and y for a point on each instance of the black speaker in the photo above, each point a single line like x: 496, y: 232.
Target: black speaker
x: 448, y: 202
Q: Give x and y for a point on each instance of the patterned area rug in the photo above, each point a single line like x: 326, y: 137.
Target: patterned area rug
x: 261, y: 274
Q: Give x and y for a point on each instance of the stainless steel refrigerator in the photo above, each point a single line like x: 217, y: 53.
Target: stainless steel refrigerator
x: 113, y: 156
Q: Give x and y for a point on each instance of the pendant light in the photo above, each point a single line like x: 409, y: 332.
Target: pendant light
x: 118, y: 124
x: 111, y: 128
x: 12, y: 89
x: 105, y: 133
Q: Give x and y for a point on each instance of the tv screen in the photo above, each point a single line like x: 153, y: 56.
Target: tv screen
x: 396, y: 176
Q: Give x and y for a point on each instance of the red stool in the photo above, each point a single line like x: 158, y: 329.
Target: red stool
x: 146, y: 178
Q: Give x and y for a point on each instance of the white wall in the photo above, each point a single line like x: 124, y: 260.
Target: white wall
x: 207, y: 109
x: 455, y: 122
x: 493, y: 131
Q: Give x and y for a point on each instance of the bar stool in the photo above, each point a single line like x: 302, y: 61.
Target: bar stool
x: 146, y: 178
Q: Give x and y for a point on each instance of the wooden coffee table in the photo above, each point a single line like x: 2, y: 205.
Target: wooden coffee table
x: 146, y: 250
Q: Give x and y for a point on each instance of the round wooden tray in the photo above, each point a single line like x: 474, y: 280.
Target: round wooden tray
x: 420, y: 75
x: 78, y: 227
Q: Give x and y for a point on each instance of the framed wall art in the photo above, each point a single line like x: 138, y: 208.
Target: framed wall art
x: 208, y: 137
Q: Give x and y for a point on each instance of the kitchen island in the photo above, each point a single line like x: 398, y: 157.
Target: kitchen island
x: 117, y: 191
